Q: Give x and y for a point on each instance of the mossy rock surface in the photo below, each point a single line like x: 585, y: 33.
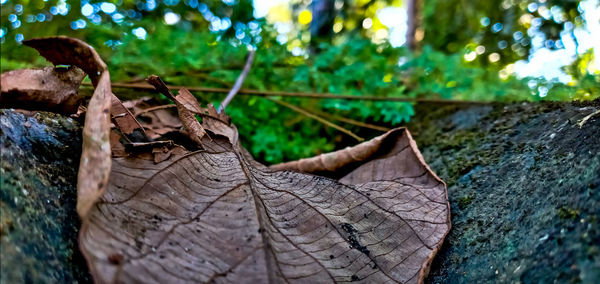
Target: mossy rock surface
x: 523, y: 182
x: 524, y: 188
x: 38, y: 223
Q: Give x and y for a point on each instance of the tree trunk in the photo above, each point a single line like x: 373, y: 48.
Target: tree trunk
x: 413, y: 13
x: 321, y: 27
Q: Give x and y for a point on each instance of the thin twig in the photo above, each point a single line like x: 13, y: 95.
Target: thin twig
x: 318, y: 118
x: 252, y: 92
x: 238, y: 83
x: 154, y: 108
x: 581, y: 122
x: 355, y: 122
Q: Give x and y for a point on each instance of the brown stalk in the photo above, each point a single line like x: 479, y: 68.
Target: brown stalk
x: 252, y: 92
x: 318, y: 118
x: 355, y: 122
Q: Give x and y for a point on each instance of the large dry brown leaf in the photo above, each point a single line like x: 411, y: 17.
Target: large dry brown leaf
x: 216, y: 215
x: 49, y: 89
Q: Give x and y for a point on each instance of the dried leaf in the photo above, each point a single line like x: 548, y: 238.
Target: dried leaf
x: 218, y: 123
x: 118, y: 149
x: 339, y: 163
x: 94, y: 167
x: 155, y: 121
x: 63, y: 50
x: 188, y: 101
x: 194, y: 130
x: 125, y: 121
x: 215, y: 215
x: 95, y: 164
x: 49, y: 89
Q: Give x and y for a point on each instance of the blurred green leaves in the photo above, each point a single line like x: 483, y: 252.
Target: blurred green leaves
x: 188, y: 53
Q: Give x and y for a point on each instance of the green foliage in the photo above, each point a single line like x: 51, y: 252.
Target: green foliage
x: 188, y: 54
x: 355, y: 67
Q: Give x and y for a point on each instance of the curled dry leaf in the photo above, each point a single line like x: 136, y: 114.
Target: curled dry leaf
x: 63, y: 50
x: 194, y: 129
x: 220, y: 124
x: 95, y: 164
x: 187, y: 100
x: 217, y: 216
x: 49, y: 89
x: 217, y: 123
x: 339, y: 163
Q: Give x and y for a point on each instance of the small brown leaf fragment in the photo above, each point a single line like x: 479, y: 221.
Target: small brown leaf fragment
x: 217, y: 215
x: 132, y: 104
x: 219, y: 123
x: 49, y: 89
x: 194, y: 130
x: 188, y: 100
x: 127, y: 124
x: 192, y: 126
x: 118, y: 150
x: 80, y: 111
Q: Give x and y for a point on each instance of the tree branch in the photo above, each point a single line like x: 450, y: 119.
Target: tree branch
x: 238, y: 83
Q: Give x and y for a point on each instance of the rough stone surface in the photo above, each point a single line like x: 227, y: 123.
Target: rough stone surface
x: 523, y: 182
x: 524, y: 188
x: 38, y: 177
